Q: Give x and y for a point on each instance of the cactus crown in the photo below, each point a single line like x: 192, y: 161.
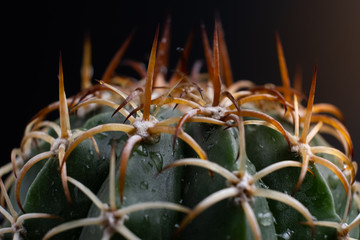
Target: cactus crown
x: 147, y: 111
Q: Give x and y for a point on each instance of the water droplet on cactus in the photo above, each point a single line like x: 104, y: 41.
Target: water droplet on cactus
x: 144, y: 185
x: 141, y: 150
x: 286, y: 235
x: 265, y: 219
x: 157, y: 159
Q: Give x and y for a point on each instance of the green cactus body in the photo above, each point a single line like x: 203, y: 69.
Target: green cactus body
x: 226, y: 219
x: 86, y: 166
x: 182, y: 163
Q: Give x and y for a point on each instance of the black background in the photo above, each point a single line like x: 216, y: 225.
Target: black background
x: 324, y: 32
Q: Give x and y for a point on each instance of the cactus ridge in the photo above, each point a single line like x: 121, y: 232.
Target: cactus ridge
x: 126, y: 124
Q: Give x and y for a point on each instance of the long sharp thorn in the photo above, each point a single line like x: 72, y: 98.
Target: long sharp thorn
x: 309, y: 108
x: 65, y: 128
x: 216, y: 73
x: 150, y: 77
x: 63, y: 107
x: 283, y: 68
x: 224, y: 55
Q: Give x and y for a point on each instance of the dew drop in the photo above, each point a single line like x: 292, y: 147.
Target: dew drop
x: 141, y: 150
x: 265, y: 219
x: 157, y: 159
x: 144, y: 185
x: 286, y: 235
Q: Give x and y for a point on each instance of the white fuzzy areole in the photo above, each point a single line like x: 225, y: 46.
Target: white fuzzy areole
x: 143, y: 126
x: 58, y: 142
x: 216, y: 112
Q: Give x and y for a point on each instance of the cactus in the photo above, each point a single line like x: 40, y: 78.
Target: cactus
x: 195, y: 157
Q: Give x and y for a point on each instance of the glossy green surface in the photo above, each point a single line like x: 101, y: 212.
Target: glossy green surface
x: 321, y: 192
x: 226, y: 219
